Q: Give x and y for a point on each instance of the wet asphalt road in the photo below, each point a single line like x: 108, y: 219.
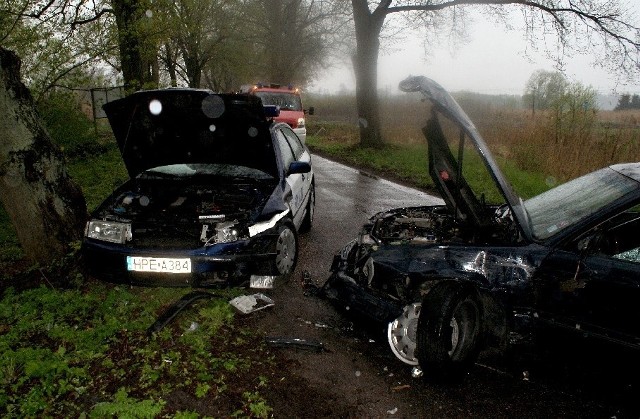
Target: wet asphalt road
x: 357, y: 375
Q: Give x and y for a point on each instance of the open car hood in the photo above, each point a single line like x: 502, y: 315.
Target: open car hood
x: 443, y: 167
x: 181, y: 126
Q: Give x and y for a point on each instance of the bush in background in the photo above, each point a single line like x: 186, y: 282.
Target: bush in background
x: 68, y: 126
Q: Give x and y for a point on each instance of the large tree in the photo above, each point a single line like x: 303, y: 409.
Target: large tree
x: 47, y: 208
x: 137, y: 42
x: 601, y: 25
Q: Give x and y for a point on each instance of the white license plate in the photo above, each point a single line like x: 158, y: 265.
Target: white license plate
x: 166, y: 265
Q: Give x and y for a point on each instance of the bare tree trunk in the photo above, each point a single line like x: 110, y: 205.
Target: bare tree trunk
x: 365, y: 63
x: 171, y: 65
x: 46, y: 207
x: 137, y: 51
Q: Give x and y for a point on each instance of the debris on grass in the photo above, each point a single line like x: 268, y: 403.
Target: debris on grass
x: 247, y: 304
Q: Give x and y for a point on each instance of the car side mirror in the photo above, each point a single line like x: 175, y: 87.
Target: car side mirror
x: 299, y: 167
x: 311, y: 110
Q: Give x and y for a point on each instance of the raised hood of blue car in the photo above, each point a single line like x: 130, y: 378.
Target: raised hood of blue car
x: 443, y: 166
x: 184, y: 126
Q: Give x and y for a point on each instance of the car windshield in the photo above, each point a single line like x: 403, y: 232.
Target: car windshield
x: 286, y: 101
x: 563, y: 206
x: 188, y: 170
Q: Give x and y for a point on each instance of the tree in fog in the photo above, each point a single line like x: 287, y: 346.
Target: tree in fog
x: 543, y: 89
x: 627, y: 101
x: 197, y: 33
x: 599, y: 26
x: 293, y: 38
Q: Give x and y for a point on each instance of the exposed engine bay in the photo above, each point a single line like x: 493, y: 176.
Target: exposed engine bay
x: 202, y: 213
x: 436, y: 224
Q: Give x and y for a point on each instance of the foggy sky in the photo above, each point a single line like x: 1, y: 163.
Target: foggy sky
x: 494, y: 61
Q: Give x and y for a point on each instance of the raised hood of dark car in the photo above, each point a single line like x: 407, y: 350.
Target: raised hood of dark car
x: 443, y: 167
x: 174, y: 126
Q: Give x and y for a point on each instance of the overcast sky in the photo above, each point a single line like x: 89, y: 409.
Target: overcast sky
x: 494, y: 61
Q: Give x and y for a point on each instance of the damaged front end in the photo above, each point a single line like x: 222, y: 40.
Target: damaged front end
x: 186, y: 225
x: 386, y: 273
x: 407, y: 257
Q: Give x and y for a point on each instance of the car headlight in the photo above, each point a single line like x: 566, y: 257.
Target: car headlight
x: 109, y: 231
x: 300, y: 122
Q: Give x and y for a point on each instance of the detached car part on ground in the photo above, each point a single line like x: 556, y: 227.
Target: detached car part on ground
x: 449, y: 280
x: 216, y: 196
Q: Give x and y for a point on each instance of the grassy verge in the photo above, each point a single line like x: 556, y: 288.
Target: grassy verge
x: 85, y: 352
x: 408, y: 164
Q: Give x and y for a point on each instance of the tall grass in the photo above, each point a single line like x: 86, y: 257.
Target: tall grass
x: 553, y: 146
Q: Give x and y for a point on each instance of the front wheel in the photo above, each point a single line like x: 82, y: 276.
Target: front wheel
x: 286, y: 249
x: 449, y: 332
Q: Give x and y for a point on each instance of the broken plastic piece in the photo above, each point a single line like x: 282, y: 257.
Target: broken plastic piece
x: 416, y: 372
x: 170, y: 313
x: 261, y: 281
x: 250, y: 303
x: 297, y: 343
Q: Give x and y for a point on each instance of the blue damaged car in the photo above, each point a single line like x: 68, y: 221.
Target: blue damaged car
x: 216, y: 197
x: 489, y: 269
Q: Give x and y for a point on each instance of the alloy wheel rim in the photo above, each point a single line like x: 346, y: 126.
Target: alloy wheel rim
x: 285, y: 251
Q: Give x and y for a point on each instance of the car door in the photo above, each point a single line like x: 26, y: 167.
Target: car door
x: 592, y: 285
x: 294, y: 183
x: 301, y: 154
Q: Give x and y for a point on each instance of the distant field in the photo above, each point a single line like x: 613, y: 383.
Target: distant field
x: 553, y: 146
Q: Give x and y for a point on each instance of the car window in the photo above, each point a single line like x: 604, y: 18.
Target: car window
x: 294, y: 142
x: 558, y: 208
x: 285, y: 100
x: 285, y: 150
x: 619, y: 238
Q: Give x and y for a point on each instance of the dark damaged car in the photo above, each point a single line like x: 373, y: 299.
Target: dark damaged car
x: 450, y: 280
x: 216, y: 196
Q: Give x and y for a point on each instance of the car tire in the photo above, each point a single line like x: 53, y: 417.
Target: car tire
x: 311, y: 209
x: 286, y: 249
x: 449, y: 332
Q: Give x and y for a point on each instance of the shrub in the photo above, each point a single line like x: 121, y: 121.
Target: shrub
x: 67, y: 125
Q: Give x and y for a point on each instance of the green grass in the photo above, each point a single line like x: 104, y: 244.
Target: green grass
x: 99, y: 174
x: 408, y: 163
x: 68, y: 352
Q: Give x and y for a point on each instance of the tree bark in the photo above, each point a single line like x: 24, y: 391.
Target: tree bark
x: 365, y: 64
x: 46, y: 207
